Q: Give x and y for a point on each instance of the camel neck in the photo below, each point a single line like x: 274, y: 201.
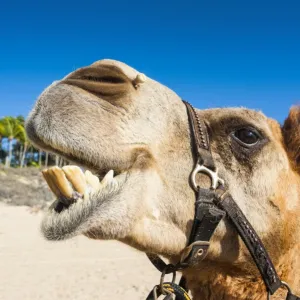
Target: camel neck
x: 215, y: 282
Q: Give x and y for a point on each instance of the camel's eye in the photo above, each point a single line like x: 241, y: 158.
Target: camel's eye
x: 246, y: 136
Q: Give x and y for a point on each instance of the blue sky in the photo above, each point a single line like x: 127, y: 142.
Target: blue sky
x: 212, y: 53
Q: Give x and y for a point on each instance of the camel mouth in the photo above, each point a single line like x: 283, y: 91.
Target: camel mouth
x: 81, y: 195
x: 108, y: 178
x: 66, y: 198
x: 75, y: 207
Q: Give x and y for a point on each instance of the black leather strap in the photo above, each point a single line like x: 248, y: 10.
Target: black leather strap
x: 291, y: 296
x: 206, y: 220
x: 200, y: 136
x: 252, y: 241
x: 160, y: 265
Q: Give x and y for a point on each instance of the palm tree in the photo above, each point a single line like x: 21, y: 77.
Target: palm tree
x: 46, y: 159
x: 21, y: 120
x: 40, y: 158
x: 25, y: 141
x: 11, y: 129
x: 2, y: 132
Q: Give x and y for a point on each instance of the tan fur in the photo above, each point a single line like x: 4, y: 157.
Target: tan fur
x: 101, y: 118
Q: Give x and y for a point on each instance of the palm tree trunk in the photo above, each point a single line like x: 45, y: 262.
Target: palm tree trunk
x: 61, y: 162
x: 40, y: 158
x: 20, y: 154
x: 46, y: 159
x: 31, y: 154
x: 23, y: 155
x: 1, y: 145
x: 8, y: 158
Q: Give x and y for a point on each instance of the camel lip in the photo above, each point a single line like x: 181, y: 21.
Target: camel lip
x: 39, y: 141
x: 69, y: 158
x: 96, y: 170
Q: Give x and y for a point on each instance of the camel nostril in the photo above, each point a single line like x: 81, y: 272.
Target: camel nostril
x: 107, y: 79
x: 102, y: 74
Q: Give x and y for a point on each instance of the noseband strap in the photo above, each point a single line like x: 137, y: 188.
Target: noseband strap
x: 200, y: 137
x: 211, y: 206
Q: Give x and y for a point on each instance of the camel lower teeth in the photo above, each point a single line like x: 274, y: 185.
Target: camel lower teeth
x: 108, y: 178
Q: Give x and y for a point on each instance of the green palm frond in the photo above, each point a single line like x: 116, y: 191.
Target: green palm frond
x: 12, y: 128
x: 2, y: 130
x: 21, y: 135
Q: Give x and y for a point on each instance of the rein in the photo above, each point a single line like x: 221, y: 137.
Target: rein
x: 211, y: 206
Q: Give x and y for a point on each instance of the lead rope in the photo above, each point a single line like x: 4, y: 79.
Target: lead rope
x: 211, y: 206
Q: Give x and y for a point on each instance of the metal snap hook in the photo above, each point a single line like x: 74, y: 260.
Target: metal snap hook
x: 215, y: 179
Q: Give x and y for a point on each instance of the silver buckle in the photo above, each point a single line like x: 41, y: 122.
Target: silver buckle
x: 187, y: 250
x: 215, y: 179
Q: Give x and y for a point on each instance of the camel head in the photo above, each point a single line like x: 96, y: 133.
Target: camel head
x: 108, y: 116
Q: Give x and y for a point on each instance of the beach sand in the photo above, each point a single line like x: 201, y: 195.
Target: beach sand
x: 32, y: 268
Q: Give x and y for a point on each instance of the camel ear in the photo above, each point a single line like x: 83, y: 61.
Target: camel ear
x: 291, y: 136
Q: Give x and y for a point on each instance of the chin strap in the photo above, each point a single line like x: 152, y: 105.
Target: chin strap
x: 211, y: 206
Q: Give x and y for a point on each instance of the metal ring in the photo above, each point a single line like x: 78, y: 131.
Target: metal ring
x: 155, y: 293
x: 163, y: 274
x: 283, y: 284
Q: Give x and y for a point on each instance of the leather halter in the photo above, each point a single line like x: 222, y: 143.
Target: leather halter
x: 211, y: 206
